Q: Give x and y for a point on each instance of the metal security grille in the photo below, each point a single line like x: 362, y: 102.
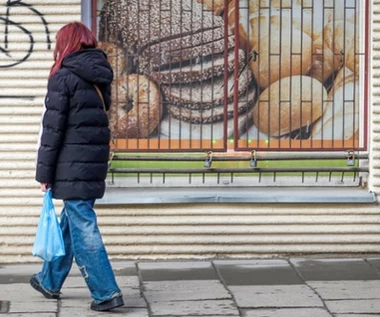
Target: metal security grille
x: 236, y: 75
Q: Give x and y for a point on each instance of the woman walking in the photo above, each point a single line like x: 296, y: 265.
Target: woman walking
x: 72, y: 162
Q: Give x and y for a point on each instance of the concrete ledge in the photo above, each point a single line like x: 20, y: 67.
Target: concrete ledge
x: 309, y: 195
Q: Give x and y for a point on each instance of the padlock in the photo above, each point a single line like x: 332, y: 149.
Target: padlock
x: 350, y: 158
x: 208, y: 161
x: 253, y: 162
x: 350, y: 161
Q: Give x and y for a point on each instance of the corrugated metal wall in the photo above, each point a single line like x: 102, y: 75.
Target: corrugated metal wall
x: 163, y: 231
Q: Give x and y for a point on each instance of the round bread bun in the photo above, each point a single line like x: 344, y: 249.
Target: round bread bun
x: 324, y: 62
x: 214, y: 5
x: 339, y: 35
x: 294, y: 59
x: 340, y: 118
x: 244, y: 26
x: 136, y: 107
x: 255, y: 22
x: 352, y: 60
x: 289, y: 104
x: 116, y: 56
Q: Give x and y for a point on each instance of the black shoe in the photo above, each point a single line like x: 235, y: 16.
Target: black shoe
x: 110, y: 304
x: 38, y: 287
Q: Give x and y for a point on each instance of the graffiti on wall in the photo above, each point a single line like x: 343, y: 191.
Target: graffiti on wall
x: 9, y: 48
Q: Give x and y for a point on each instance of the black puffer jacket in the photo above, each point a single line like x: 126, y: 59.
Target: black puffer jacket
x: 74, y: 148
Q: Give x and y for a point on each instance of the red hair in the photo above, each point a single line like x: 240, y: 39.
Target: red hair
x: 71, y: 38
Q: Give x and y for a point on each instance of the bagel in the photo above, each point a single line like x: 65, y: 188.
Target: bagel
x: 288, y: 105
x: 136, y: 107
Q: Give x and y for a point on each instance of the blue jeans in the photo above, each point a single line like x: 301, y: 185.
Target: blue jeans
x: 84, y: 242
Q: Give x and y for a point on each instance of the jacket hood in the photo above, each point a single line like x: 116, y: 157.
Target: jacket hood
x: 91, y: 65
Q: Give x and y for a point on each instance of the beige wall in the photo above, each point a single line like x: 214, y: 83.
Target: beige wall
x: 166, y: 231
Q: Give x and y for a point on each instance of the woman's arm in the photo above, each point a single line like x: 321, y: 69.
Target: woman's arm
x: 54, y: 123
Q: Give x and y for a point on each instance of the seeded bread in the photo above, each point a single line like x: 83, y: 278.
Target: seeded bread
x: 206, y: 94
x: 204, y: 69
x: 216, y: 113
x: 139, y: 23
x: 207, y: 43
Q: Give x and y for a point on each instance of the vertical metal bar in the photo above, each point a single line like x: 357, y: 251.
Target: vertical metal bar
x: 191, y: 91
x: 225, y: 73
x: 344, y: 77
x: 94, y: 11
x: 366, y: 69
x: 180, y: 66
x: 236, y: 78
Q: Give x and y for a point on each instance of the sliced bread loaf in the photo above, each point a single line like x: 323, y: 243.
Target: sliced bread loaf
x: 207, y: 94
x: 217, y: 113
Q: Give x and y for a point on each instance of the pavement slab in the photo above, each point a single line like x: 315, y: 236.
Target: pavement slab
x: 38, y: 314
x: 171, y: 271
x: 20, y: 292
x: 87, y: 312
x: 275, y: 296
x: 186, y: 290
x: 33, y: 307
x: 290, y: 312
x: 335, y: 290
x: 124, y: 268
x: 198, y: 308
x: 375, y: 262
x: 258, y: 272
x: 354, y: 315
x: 178, y: 286
x: 302, y: 287
x: 361, y: 306
x: 334, y: 269
x: 79, y: 282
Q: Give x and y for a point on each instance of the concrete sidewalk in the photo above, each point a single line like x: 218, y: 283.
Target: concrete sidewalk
x: 295, y: 287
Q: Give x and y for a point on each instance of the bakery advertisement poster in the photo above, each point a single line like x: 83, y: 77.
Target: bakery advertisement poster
x: 245, y: 75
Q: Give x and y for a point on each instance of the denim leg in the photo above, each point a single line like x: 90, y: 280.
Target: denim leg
x: 89, y: 251
x: 54, y: 273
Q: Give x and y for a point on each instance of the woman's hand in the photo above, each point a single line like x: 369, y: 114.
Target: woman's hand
x: 44, y: 187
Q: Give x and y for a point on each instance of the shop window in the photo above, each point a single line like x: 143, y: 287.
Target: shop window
x: 237, y: 76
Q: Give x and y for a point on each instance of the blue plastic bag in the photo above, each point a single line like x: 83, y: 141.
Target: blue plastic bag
x: 48, y: 243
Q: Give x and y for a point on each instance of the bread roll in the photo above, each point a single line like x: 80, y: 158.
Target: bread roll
x: 136, y: 108
x: 352, y: 60
x: 337, y: 39
x: 214, y: 5
x: 117, y: 57
x: 243, y: 23
x: 281, y: 58
x: 340, y: 120
x: 289, y: 104
x: 339, y: 35
x: 324, y: 63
